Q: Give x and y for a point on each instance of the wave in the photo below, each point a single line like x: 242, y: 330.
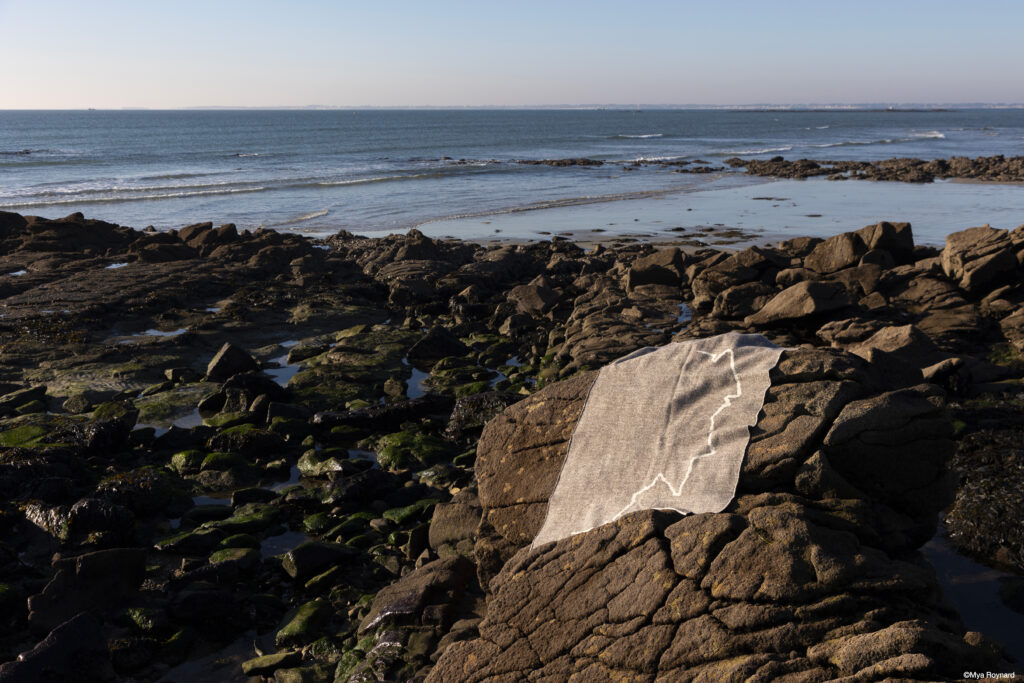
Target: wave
x: 28, y: 151
x: 178, y: 176
x: 821, y: 127
x: 766, y: 150
x: 623, y: 136
x: 114, y: 200
x: 68, y: 191
x: 854, y: 143
x: 651, y: 158
x: 377, y: 179
x: 110, y: 195
x: 247, y: 154
x: 300, y: 219
x: 917, y: 137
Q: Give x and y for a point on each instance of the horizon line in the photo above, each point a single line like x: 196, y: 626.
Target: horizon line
x: 860, y: 106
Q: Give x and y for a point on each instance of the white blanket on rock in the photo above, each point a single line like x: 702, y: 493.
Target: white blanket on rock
x: 662, y: 428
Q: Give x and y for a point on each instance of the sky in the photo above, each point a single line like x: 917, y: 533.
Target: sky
x: 71, y: 54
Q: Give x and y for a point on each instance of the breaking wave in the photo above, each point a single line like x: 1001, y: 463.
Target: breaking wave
x: 623, y: 136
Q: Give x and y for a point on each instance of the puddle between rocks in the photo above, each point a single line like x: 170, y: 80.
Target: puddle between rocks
x: 973, y: 589
x: 685, y: 315
x: 282, y: 543
x: 18, y: 273
x: 356, y: 454
x: 414, y: 387
x: 222, y: 666
x: 285, y: 370
x: 193, y: 419
x: 293, y: 478
x: 152, y: 333
x: 224, y: 499
x: 115, y: 266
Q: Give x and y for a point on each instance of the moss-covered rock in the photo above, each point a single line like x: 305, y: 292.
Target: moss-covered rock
x: 221, y: 462
x: 290, y: 428
x: 187, y: 462
x: 315, y: 463
x: 407, y: 449
x: 147, y: 620
x: 23, y: 436
x: 249, y: 441
x: 317, y: 523
x: 267, y: 664
x: 196, y: 542
x: 247, y: 519
x: 228, y: 420
x: 240, y: 541
x: 31, y: 407
x: 116, y: 410
x: 305, y: 623
x: 418, y: 510
x: 244, y: 558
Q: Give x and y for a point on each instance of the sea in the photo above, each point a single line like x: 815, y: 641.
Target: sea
x: 458, y: 172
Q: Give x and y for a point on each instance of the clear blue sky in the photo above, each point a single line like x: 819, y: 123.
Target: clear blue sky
x: 117, y: 53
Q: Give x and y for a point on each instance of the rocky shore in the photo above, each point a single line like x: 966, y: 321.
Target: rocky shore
x: 998, y: 169
x: 234, y: 455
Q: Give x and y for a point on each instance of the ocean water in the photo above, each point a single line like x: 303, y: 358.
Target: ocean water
x: 456, y: 172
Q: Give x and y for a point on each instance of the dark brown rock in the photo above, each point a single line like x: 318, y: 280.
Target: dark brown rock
x: 87, y: 583
x: 836, y: 253
x: 979, y: 258
x: 438, y: 343
x: 802, y: 300
x: 532, y: 299
x: 230, y: 360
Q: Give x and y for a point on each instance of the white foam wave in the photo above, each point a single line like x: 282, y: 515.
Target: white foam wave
x: 766, y: 150
x: 916, y: 137
x: 132, y: 198
x: 646, y: 135
x: 108, y: 189
x: 248, y: 154
x: 821, y: 127
x: 653, y: 158
x: 376, y: 179
x: 302, y: 218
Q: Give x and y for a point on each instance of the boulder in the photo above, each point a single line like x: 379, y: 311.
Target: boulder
x: 802, y: 300
x: 742, y: 300
x: 905, y: 342
x: 663, y: 267
x: 1012, y: 327
x: 229, y: 360
x: 436, y: 344
x: 532, y: 299
x: 979, y: 258
x: 73, y: 651
x: 455, y: 521
x: 405, y: 600
x: 87, y: 583
x: 897, y: 239
x: 813, y: 558
x: 835, y: 253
